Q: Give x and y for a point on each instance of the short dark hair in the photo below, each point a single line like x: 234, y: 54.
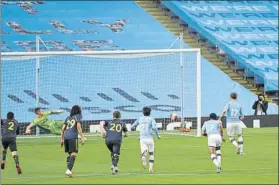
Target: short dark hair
x: 116, y: 114
x: 146, y: 111
x: 234, y: 95
x: 75, y: 110
x: 10, y: 115
x: 261, y: 94
x: 213, y: 116
x: 37, y: 109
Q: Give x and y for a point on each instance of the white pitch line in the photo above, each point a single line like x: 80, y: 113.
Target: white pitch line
x: 162, y: 173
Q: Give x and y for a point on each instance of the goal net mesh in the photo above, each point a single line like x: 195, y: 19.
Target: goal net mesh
x: 101, y: 84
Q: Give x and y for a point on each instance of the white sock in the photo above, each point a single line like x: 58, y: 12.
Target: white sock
x: 233, y: 142
x: 214, y: 160
x: 143, y: 158
x: 151, y: 162
x: 219, y: 158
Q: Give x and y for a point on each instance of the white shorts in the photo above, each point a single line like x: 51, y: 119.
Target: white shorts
x: 234, y: 128
x: 146, y: 145
x: 214, y: 140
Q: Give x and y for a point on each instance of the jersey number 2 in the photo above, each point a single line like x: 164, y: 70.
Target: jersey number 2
x: 11, y: 126
x: 115, y: 127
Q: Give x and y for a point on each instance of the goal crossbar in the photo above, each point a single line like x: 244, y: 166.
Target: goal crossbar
x: 53, y: 53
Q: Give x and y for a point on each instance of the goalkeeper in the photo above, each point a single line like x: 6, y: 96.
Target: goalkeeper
x: 42, y: 121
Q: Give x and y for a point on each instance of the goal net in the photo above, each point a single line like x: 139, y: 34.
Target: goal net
x: 101, y: 82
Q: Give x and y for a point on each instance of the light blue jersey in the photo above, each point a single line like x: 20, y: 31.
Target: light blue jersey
x: 211, y: 127
x: 146, y: 125
x: 234, y: 111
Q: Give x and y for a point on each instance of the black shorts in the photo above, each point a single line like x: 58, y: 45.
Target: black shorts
x: 114, y: 146
x: 71, y: 145
x: 9, y: 142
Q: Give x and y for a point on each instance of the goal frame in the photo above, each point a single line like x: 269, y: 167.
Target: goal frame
x: 38, y: 54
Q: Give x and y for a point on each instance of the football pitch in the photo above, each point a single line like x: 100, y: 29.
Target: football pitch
x: 178, y: 160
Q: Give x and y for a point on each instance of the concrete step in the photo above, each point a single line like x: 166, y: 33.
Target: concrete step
x: 245, y: 83
x: 228, y: 71
x: 215, y: 60
x: 147, y: 6
x: 209, y: 56
x: 176, y: 33
x: 236, y: 78
x: 189, y: 41
x: 232, y: 74
x: 175, y: 29
x: 195, y: 45
x: 153, y: 9
x: 159, y: 17
x: 157, y: 13
x: 169, y: 25
x: 145, y: 3
x: 168, y: 21
x: 223, y: 67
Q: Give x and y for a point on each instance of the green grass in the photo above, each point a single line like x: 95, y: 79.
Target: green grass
x: 178, y: 159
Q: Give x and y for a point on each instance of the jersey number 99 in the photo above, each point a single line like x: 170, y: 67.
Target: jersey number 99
x: 115, y: 127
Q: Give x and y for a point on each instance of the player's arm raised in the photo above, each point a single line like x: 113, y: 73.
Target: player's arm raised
x: 223, y: 112
x: 80, y: 132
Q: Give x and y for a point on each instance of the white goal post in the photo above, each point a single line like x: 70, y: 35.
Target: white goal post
x: 168, y: 80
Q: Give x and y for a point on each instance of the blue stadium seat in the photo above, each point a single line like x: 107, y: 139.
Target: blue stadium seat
x: 246, y: 30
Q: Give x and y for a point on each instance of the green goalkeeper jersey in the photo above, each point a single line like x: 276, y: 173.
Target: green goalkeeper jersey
x: 54, y: 126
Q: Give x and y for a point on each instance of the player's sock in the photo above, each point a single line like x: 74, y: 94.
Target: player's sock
x: 219, y: 157
x: 240, y: 143
x: 16, y: 159
x: 151, y: 160
x: 233, y: 141
x: 71, y: 162
x: 115, y: 159
x: 143, y: 158
x: 68, y: 160
x: 4, y: 154
x: 214, y: 160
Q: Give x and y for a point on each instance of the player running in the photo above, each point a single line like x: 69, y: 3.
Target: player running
x: 234, y: 122
x: 113, y: 136
x: 9, y: 132
x: 214, y: 131
x: 146, y: 125
x: 69, y: 137
x: 41, y: 120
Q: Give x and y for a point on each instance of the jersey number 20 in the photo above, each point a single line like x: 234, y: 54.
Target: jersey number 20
x: 115, y: 127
